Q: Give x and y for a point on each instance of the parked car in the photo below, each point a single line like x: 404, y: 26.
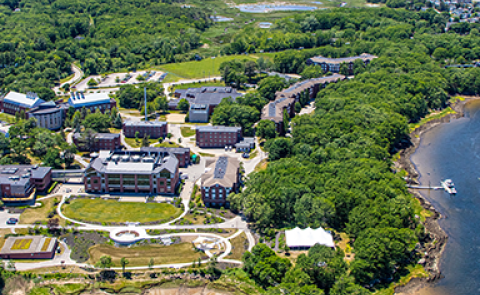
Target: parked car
x: 12, y: 221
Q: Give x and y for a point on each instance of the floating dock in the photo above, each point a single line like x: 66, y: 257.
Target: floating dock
x: 447, y: 185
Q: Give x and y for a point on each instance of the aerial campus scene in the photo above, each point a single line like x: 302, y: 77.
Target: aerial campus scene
x: 239, y: 147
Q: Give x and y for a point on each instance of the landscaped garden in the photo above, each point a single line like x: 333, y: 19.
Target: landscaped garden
x: 80, y: 243
x: 41, y: 214
x: 141, y: 255
x: 112, y: 211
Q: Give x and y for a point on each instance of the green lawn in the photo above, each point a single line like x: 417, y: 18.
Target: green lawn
x: 7, y: 118
x: 134, y: 143
x: 39, y: 291
x: 196, y: 69
x: 167, y: 144
x: 195, y: 85
x: 187, y: 131
x: 99, y: 210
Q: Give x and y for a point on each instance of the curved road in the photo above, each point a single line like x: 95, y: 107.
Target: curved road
x: 77, y: 75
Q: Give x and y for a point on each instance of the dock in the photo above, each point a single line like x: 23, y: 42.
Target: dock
x: 447, y: 185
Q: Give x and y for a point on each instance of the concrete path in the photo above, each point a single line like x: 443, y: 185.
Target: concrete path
x: 77, y: 75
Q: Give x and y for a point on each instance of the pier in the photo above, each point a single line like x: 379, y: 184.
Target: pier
x: 447, y: 185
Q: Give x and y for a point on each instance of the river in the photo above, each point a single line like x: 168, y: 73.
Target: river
x: 452, y: 150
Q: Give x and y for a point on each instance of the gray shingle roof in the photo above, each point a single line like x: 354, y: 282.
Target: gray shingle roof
x: 218, y: 129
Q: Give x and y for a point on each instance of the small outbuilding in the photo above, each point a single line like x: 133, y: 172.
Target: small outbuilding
x: 29, y: 247
x: 298, y: 238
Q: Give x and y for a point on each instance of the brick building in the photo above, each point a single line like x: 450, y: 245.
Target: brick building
x: 29, y: 247
x: 285, y: 100
x: 154, y: 129
x: 19, y: 183
x: 133, y: 172
x: 182, y: 154
x: 14, y: 102
x: 217, y: 136
x: 221, y: 179
x: 102, y: 141
x: 333, y: 64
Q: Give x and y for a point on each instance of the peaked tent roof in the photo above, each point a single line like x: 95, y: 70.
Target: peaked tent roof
x: 308, y: 237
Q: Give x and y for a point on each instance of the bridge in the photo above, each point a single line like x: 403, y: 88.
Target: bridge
x: 64, y: 175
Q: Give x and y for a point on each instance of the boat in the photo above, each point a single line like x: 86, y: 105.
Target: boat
x: 449, y: 186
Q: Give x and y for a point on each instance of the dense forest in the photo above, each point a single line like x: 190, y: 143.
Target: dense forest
x: 335, y: 170
x: 40, y: 39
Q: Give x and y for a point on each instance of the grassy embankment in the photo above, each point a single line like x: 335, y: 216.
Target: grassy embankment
x: 98, y: 210
x: 141, y: 255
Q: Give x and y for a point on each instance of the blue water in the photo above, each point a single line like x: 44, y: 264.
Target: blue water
x: 264, y: 8
x: 452, y: 150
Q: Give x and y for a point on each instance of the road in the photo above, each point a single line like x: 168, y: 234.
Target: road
x: 166, y: 86
x: 77, y: 75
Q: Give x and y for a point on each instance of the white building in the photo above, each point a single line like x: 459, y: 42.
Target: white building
x: 307, y: 238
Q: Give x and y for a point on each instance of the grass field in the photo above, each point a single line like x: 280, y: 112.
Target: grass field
x: 238, y: 246
x: 134, y: 143
x: 7, y: 118
x: 187, y: 131
x: 167, y: 144
x: 31, y: 215
x: 200, y: 69
x: 99, y: 210
x: 39, y: 291
x: 140, y: 255
x: 196, y: 85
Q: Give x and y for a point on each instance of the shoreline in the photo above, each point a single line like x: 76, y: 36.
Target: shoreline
x: 436, y: 239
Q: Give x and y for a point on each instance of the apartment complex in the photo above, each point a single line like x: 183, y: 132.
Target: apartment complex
x: 102, y: 141
x: 333, y: 64
x: 222, y: 177
x: 217, y: 136
x: 285, y: 100
x: 134, y: 172
x: 14, y: 102
x: 202, y: 100
x: 18, y: 183
x: 153, y: 129
x: 182, y: 154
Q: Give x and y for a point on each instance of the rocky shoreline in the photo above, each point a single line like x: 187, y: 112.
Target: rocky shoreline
x: 437, y: 238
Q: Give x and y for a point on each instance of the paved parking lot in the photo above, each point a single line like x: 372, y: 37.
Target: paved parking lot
x: 110, y: 80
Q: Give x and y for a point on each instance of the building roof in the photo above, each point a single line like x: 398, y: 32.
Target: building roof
x: 205, y: 95
x: 29, y: 100
x: 80, y: 99
x: 135, y: 162
x: 48, y: 107
x: 308, y: 237
x: 20, y: 174
x: 274, y: 109
x: 303, y: 85
x: 218, y: 129
x: 222, y: 171
x: 145, y: 124
x: 99, y: 135
x: 175, y: 150
x: 28, y: 244
x: 322, y: 59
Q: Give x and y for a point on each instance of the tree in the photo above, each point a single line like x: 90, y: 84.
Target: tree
x: 118, y: 122
x: 226, y: 75
x: 97, y: 121
x: 270, y: 85
x: 137, y: 135
x: 278, y: 148
x: 53, y: 223
x: 151, y: 263
x: 266, y: 129
x: 4, y: 143
x: 286, y: 119
x: 145, y: 140
x: 161, y: 104
x: 124, y: 261
x: 264, y: 266
x: 183, y: 105
x: 44, y: 141
x: 345, y: 285
x: 52, y: 158
x: 104, y: 262
x: 298, y: 107
x: 92, y: 82
x: 250, y: 68
x: 87, y: 140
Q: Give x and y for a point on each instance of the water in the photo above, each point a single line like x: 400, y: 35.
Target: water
x: 453, y: 151
x: 264, y: 8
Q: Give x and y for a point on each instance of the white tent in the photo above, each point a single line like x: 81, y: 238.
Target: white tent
x: 308, y: 237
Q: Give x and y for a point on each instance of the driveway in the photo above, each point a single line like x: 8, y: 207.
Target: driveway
x: 77, y: 75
